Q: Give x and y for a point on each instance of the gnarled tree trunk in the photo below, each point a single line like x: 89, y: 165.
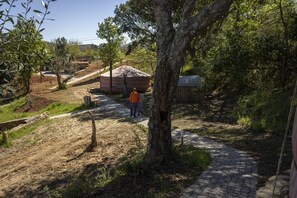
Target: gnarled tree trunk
x: 172, y: 43
x: 94, y: 143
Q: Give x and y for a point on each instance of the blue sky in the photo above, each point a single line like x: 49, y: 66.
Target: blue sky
x: 76, y: 19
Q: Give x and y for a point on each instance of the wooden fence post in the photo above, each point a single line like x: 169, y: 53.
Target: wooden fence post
x: 4, y: 137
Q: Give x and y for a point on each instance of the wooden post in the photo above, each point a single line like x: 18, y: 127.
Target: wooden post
x: 94, y: 143
x: 125, y: 85
x: 4, y: 137
x: 87, y: 100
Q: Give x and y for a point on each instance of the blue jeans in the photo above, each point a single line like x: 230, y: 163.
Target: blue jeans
x: 133, y: 109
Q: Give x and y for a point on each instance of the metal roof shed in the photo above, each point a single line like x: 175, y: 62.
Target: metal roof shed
x: 189, y: 81
x: 187, y: 89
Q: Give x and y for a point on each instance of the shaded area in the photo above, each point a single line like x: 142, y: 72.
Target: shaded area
x: 206, y: 110
x: 263, y: 146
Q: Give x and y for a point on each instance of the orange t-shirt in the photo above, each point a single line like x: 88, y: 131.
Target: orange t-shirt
x: 134, y: 97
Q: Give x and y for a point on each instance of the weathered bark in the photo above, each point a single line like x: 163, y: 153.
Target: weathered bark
x: 172, y: 44
x: 60, y: 85
x: 94, y: 143
x: 67, y: 79
x: 87, y: 100
x: 41, y: 74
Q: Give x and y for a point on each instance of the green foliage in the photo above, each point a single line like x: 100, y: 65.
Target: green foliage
x: 23, y: 132
x: 192, y: 157
x: 9, y: 112
x: 137, y: 19
x: 251, y: 60
x: 266, y: 109
x: 91, y: 52
x: 144, y: 59
x: 28, y: 54
x: 73, y: 50
x: 61, y: 107
x: 109, y: 51
x: 61, y: 54
x: 22, y: 49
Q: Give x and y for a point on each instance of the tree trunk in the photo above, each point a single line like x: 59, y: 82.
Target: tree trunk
x: 59, y: 81
x: 110, y: 74
x: 94, y: 143
x: 160, y: 140
x: 172, y: 44
x: 125, y: 85
x: 41, y: 74
x: 87, y: 100
x: 4, y: 137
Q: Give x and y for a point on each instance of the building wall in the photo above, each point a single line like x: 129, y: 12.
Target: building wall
x: 188, y: 94
x: 141, y: 83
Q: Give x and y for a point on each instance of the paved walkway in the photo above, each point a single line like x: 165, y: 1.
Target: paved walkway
x: 232, y: 173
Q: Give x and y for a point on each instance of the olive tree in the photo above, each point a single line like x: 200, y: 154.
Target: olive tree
x: 21, y: 46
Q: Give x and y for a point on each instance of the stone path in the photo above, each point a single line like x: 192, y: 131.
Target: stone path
x: 232, y: 173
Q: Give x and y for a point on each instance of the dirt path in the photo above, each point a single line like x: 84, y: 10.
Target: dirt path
x: 45, y: 159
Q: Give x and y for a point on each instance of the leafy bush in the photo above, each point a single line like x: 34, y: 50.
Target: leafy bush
x: 266, y: 109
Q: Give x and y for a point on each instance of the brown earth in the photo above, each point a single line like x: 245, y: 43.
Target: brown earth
x: 52, y: 156
x: 34, y: 103
x: 73, y: 94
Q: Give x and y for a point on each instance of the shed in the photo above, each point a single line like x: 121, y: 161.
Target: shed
x: 135, y: 78
x: 188, y: 89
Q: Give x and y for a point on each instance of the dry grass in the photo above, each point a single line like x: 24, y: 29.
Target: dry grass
x: 47, y: 157
x: 51, y: 162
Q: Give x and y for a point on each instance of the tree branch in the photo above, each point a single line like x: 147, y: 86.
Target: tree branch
x: 188, y: 8
x: 208, y: 15
x: 191, y: 26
